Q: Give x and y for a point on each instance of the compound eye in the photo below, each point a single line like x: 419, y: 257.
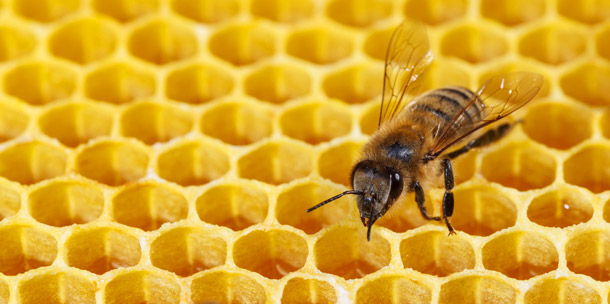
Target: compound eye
x: 396, y: 185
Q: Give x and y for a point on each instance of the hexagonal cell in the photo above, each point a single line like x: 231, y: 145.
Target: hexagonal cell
x: 359, y: 13
x: 393, y: 289
x: 605, y: 123
x: 475, y: 288
x: 25, y: 248
x: 153, y: 122
x: 206, y: 11
x: 61, y: 203
x: 16, y: 42
x: 589, y: 12
x: 336, y: 162
x: 191, y: 163
x: 198, y: 83
x: 243, y: 44
x: 560, y: 208
x: 119, y: 83
x: 14, y: 119
x: 45, y: 10
x: 405, y: 215
x: 40, y: 83
x: 148, y: 206
x: 187, y: 250
x: 601, y: 42
x: 10, y: 200
x: 236, y: 206
x: 56, y: 287
x: 278, y: 83
x: 344, y: 251
x: 243, y: 123
x: 562, y: 290
x: 276, y: 162
x: 474, y: 43
x: 316, y: 122
x: 125, y: 11
x: 376, y: 43
x: 299, y: 290
x: 76, y: 123
x: 227, y: 287
x: 554, y: 43
x: 282, y: 10
x: 161, y: 42
x: 588, y: 253
x: 113, y: 162
x: 142, y: 287
x: 271, y: 253
x: 355, y: 84
x: 588, y: 168
x: 436, y: 253
x: 513, y: 13
x: 511, y: 166
x: 101, y: 249
x: 588, y: 83
x: 321, y: 45
x: 435, y: 12
x: 559, y: 126
x: 482, y: 210
x: 31, y: 162
x: 84, y: 40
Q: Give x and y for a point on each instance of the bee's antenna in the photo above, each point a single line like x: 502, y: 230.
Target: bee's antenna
x: 333, y: 198
x: 368, y: 232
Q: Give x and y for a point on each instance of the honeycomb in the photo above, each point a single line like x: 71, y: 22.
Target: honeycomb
x: 165, y: 151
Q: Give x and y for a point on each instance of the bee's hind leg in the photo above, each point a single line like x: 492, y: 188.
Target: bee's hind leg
x: 448, y: 197
x: 486, y: 138
x: 420, y: 198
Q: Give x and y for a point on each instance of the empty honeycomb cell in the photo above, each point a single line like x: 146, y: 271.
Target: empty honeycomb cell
x: 359, y: 13
x: 15, y: 42
x: 393, y: 289
x: 355, y: 84
x: 243, y: 123
x: 588, y: 83
x: 25, y: 248
x: 560, y: 208
x: 45, y: 10
x: 316, y: 122
x: 588, y: 253
x: 601, y: 42
x: 336, y: 162
x: 320, y: 45
x: 345, y: 251
x: 513, y: 13
x: 62, y: 203
x: 554, y: 43
x: 142, y: 287
x: 192, y: 163
x: 31, y: 162
x: 299, y: 290
x: 10, y: 201
x: 40, y: 83
x: 588, y: 11
x: 562, y: 290
x: 376, y: 43
x: 520, y: 255
x: 227, y: 287
x: 101, y: 249
x: 84, y: 40
x: 435, y: 12
x: 559, y: 126
x: 477, y: 289
x: 276, y: 163
x: 510, y: 166
x: 282, y: 10
x: 14, y: 119
x: 271, y: 253
x: 588, y: 168
x: 605, y: 123
x: 161, y: 41
x: 436, y: 253
x: 206, y: 11
x: 474, y: 43
x: 119, y: 83
x: 277, y: 83
x: 482, y: 210
x: 56, y: 287
x: 188, y: 250
x: 292, y: 202
x: 76, y: 123
x: 243, y: 44
x: 125, y: 11
x: 153, y: 122
x: 404, y: 214
x: 198, y: 83
x: 236, y: 206
x: 148, y: 206
x: 113, y: 162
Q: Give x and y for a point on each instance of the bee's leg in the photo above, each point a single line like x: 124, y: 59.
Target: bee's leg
x: 486, y: 138
x: 420, y: 198
x: 448, y: 197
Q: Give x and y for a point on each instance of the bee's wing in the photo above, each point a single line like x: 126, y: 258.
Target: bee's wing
x: 407, y: 58
x: 496, y: 99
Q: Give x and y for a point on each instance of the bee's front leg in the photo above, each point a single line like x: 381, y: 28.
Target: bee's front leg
x: 420, y: 198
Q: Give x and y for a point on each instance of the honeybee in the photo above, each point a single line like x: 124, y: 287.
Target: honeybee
x: 409, y: 150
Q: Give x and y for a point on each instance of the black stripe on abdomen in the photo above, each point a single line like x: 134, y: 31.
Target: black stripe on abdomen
x: 437, y: 112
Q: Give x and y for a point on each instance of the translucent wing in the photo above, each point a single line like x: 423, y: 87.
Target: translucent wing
x: 497, y: 98
x: 407, y: 58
